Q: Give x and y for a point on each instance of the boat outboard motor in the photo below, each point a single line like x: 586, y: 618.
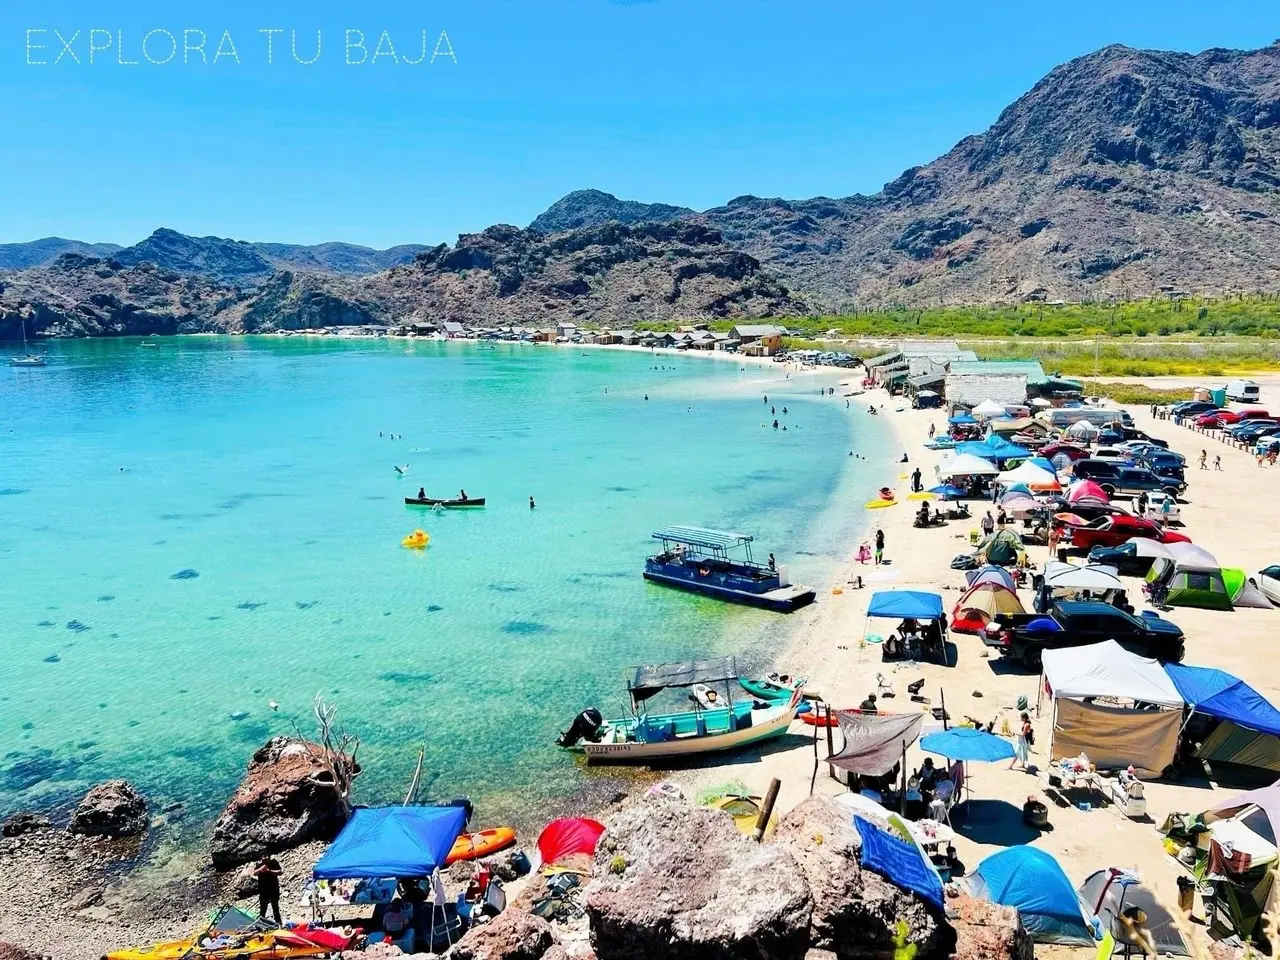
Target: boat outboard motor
x: 585, y: 726
x: 463, y: 802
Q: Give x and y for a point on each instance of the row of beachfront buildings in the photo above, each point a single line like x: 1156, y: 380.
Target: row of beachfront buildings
x: 757, y: 339
x: 942, y: 369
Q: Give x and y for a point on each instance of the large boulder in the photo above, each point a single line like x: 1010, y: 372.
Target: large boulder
x: 680, y: 882
x: 288, y: 797
x: 21, y: 823
x: 988, y: 931
x: 111, y: 809
x: 512, y: 935
x: 857, y: 914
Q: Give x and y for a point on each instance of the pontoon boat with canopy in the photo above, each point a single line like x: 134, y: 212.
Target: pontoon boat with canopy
x: 698, y: 560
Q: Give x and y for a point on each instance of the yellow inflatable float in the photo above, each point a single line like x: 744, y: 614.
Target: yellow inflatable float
x: 416, y: 540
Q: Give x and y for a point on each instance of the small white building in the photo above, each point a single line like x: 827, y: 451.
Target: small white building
x: 566, y: 330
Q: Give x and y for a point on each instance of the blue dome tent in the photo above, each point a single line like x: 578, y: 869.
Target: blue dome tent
x: 1032, y: 882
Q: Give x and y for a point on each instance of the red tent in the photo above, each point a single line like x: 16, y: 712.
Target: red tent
x: 1085, y: 490
x: 563, y: 838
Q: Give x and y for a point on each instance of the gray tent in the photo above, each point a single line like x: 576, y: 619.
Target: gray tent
x: 1119, y: 901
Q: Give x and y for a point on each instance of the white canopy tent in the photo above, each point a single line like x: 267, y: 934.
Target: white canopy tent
x: 1107, y: 670
x: 1146, y: 547
x: 1082, y: 430
x: 967, y: 465
x: 1113, y: 735
x: 1035, y: 477
x: 1095, y: 577
x: 989, y: 408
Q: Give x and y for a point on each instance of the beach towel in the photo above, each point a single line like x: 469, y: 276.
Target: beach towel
x: 899, y: 862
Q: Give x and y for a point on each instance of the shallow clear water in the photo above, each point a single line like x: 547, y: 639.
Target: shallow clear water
x: 190, y: 531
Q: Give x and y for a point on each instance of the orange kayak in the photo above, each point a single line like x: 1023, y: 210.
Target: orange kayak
x: 820, y: 716
x: 473, y: 846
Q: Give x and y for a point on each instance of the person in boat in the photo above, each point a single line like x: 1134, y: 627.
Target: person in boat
x: 773, y: 564
x: 463, y: 495
x: 422, y: 493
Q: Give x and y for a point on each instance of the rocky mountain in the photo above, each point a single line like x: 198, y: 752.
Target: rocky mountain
x: 234, y: 262
x: 41, y: 253
x: 337, y: 257
x: 1122, y: 173
x: 590, y: 208
x: 612, y: 273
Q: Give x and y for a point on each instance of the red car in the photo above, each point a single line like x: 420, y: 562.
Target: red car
x: 1115, y: 530
x: 1068, y: 450
x: 1223, y: 418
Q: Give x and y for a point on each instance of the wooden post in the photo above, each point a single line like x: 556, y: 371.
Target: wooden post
x: 814, y: 779
x: 830, y: 745
x: 902, y: 793
x: 770, y: 798
x: 943, y: 695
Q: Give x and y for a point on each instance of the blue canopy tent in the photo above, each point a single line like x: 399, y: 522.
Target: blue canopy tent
x: 946, y: 491
x: 960, y: 418
x: 1006, y: 448
x: 1217, y: 693
x: 906, y: 605
x: 384, y: 842
x: 1032, y: 882
x: 979, y: 448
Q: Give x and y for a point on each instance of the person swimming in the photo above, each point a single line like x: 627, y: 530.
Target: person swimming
x: 402, y: 470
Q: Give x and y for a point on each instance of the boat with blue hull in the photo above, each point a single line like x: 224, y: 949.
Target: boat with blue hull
x: 717, y: 563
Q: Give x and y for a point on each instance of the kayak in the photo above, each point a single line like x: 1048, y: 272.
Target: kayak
x: 434, y: 502
x: 878, y: 504
x: 820, y: 716
x: 473, y: 846
x: 768, y: 689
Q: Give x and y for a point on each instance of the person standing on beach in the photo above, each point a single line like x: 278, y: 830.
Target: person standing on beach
x: 879, y: 546
x: 1217, y: 462
x: 916, y: 485
x: 1204, y: 455
x: 1022, y: 747
x: 268, y: 874
x: 988, y: 524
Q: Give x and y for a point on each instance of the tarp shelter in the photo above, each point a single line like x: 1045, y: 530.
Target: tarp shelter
x: 906, y: 605
x: 1032, y: 882
x: 568, y: 837
x: 967, y: 465
x: 1112, y: 895
x: 386, y: 842
x: 654, y: 678
x: 1243, y: 589
x: 978, y: 448
x: 1112, y: 735
x: 1232, y: 743
x: 1005, y: 449
x: 899, y: 862
x: 1217, y: 693
x: 873, y: 742
x: 962, y: 418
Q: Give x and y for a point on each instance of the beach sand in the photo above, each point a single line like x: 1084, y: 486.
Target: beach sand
x: 1227, y: 511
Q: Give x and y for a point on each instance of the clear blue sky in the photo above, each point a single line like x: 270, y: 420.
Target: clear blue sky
x: 690, y: 102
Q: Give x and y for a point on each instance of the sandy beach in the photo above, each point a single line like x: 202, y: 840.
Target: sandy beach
x: 1221, y: 512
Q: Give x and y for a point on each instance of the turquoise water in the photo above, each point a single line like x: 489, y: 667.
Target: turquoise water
x: 190, y: 531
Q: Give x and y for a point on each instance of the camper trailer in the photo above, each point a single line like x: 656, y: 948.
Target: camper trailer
x: 1098, y: 416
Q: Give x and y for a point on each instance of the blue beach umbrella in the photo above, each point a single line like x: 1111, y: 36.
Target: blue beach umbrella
x: 947, y: 492
x: 967, y: 743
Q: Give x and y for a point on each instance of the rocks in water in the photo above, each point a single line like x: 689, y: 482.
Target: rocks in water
x: 21, y: 823
x: 988, y: 931
x: 855, y: 912
x: 288, y: 797
x: 512, y: 935
x: 111, y: 809
x: 187, y: 574
x: 680, y: 882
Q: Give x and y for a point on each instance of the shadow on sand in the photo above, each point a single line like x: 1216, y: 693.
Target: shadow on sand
x: 992, y: 822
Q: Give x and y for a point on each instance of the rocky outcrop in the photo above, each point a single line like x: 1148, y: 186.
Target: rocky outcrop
x: 24, y: 823
x: 676, y: 881
x: 590, y: 208
x: 856, y: 913
x: 288, y: 797
x: 988, y: 931
x: 10, y: 951
x: 111, y: 809
x: 512, y: 935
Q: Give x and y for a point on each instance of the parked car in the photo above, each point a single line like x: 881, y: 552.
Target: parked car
x: 1155, y: 508
x: 1192, y: 408
x: 1116, y: 529
x: 1151, y: 448
x: 1075, y: 623
x: 1244, y: 413
x: 1269, y: 583
x: 1117, y: 478
x: 1094, y: 469
x: 1247, y: 431
x: 1068, y: 450
x: 1134, y: 435
x: 1124, y: 558
x: 1114, y: 454
x: 1210, y: 420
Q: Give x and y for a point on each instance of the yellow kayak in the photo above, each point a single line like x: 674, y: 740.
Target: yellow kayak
x: 878, y: 504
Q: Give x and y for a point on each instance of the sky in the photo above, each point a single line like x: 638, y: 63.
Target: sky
x: 116, y: 118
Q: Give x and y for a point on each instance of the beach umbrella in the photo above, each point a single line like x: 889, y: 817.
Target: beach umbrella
x: 967, y: 743
x: 946, y: 491
x: 1071, y: 519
